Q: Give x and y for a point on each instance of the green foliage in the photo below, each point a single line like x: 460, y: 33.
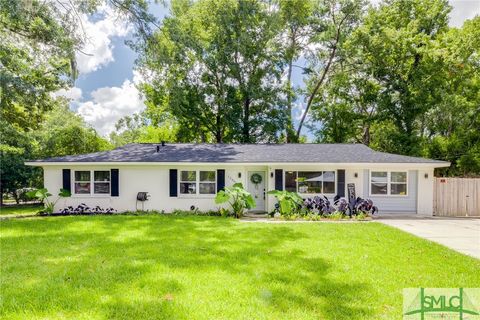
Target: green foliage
x: 210, y: 61
x: 44, y: 196
x: 237, y: 197
x: 36, y: 55
x: 288, y: 202
x: 15, y: 148
x: 62, y: 132
x: 337, y: 215
x: 138, y: 128
x: 407, y: 84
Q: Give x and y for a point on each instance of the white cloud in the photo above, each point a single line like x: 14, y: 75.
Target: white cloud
x: 73, y: 94
x: 109, y: 104
x: 98, y: 48
x: 463, y: 10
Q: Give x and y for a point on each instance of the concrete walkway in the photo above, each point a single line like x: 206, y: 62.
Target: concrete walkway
x: 460, y: 234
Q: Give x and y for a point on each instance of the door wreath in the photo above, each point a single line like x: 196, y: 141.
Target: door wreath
x: 256, y: 178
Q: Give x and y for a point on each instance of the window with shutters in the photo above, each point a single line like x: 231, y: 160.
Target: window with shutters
x: 85, y: 179
x: 316, y: 182
x: 198, y: 182
x: 82, y: 183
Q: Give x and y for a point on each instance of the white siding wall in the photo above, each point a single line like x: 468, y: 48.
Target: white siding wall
x: 133, y: 179
x: 394, y: 204
x: 154, y: 179
x: 358, y: 181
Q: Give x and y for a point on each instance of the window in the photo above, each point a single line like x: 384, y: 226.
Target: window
x: 188, y: 182
x: 388, y: 183
x: 83, y: 182
x: 291, y: 181
x: 207, y: 182
x: 398, y: 183
x: 198, y: 182
x: 379, y: 182
x: 101, y: 182
x: 310, y: 181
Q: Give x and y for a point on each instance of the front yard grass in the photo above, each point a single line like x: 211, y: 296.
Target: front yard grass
x: 190, y: 267
x: 20, y: 210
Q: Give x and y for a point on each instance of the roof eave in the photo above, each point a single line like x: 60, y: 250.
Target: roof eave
x: 439, y: 164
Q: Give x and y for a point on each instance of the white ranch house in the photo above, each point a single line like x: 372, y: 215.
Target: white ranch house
x: 178, y: 176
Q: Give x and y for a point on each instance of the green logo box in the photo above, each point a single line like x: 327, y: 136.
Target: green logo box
x: 441, y: 303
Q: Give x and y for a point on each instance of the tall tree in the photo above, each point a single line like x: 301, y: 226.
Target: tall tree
x: 395, y: 46
x: 335, y: 20
x: 296, y: 30
x: 215, y: 69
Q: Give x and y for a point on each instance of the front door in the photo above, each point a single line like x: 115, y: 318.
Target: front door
x: 256, y: 186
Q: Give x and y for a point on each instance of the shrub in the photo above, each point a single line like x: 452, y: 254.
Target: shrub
x: 237, y: 197
x: 288, y: 202
x: 319, y: 205
x: 194, y: 211
x: 364, y: 206
x: 83, y: 209
x: 44, y: 196
x: 337, y: 215
x: 25, y: 194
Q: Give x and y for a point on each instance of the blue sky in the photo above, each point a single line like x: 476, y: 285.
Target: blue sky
x: 105, y: 89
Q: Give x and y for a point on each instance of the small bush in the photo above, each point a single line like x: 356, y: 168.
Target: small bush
x: 194, y: 211
x: 239, y: 199
x: 291, y: 205
x: 337, y: 215
x: 83, y: 209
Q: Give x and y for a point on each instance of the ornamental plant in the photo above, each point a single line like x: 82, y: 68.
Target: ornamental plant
x: 289, y: 202
x: 44, y: 196
x: 237, y: 197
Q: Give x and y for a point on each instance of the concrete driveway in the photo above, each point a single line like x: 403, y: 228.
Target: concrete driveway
x: 460, y: 234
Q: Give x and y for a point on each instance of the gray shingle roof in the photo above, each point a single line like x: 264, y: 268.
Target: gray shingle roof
x: 244, y: 153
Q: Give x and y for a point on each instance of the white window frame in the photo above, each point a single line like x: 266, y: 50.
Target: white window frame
x: 92, y: 184
x: 389, y: 184
x: 310, y: 194
x: 197, y: 182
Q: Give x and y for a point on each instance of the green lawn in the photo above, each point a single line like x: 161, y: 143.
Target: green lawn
x: 157, y: 267
x: 19, y: 210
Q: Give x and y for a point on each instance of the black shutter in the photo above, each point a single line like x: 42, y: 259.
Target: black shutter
x: 341, y: 183
x: 114, y: 192
x: 173, y: 183
x: 220, y: 179
x: 279, y: 179
x: 67, y: 180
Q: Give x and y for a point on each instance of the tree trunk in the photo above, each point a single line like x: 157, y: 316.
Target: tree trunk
x: 290, y: 132
x: 324, y: 74
x: 246, y: 121
x: 218, y: 132
x: 366, y: 135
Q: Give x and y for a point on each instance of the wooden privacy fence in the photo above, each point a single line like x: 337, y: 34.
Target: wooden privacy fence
x: 456, y: 197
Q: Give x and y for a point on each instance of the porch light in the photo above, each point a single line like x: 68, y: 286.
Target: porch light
x: 239, y: 174
x: 355, y: 175
x: 426, y: 175
x: 271, y: 174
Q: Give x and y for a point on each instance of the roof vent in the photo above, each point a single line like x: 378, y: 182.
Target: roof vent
x: 163, y: 143
x: 158, y: 148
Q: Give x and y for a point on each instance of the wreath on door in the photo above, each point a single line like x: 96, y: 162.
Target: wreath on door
x: 256, y: 178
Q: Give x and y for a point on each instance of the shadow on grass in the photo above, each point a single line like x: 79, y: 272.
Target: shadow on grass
x: 136, y: 267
